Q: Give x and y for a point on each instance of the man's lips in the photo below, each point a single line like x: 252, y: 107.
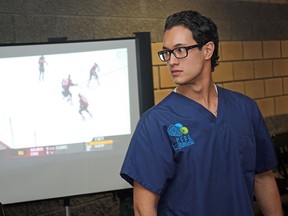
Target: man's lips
x: 175, y: 72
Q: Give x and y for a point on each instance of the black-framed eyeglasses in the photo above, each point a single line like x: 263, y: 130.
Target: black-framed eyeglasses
x: 178, y: 52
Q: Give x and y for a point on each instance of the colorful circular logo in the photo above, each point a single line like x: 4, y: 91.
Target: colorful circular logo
x: 184, y: 130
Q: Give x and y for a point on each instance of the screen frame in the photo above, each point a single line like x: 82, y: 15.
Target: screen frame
x: 145, y: 93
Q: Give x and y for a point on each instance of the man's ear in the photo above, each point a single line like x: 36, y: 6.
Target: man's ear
x: 209, y: 49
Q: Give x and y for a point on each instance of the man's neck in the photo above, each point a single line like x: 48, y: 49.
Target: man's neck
x: 205, y: 94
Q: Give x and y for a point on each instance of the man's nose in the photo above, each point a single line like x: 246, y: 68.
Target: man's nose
x: 173, y: 60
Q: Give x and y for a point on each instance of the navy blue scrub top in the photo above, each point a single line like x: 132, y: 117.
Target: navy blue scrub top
x: 200, y: 164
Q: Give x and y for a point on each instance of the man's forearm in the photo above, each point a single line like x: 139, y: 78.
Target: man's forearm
x: 267, y: 194
x: 145, y: 201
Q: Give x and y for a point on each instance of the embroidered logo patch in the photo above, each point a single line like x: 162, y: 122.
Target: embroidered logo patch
x: 179, y: 135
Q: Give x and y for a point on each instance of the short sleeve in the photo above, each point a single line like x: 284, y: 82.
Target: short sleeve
x: 149, y: 159
x: 265, y: 152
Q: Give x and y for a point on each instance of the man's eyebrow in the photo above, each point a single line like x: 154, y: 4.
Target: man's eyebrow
x: 176, y: 45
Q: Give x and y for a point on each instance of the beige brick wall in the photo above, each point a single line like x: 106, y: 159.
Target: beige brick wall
x: 258, y: 69
x: 284, y: 48
x: 269, y: 1
x: 276, y: 1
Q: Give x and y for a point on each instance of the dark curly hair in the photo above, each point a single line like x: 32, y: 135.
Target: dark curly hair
x: 203, y: 29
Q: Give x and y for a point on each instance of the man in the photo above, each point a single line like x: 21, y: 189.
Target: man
x: 66, y: 84
x: 93, y: 74
x: 42, y: 63
x: 83, y: 102
x: 203, y: 150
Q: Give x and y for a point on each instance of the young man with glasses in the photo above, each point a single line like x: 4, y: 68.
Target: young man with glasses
x: 203, y: 150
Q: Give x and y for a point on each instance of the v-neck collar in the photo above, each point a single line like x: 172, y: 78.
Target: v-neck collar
x: 203, y: 110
